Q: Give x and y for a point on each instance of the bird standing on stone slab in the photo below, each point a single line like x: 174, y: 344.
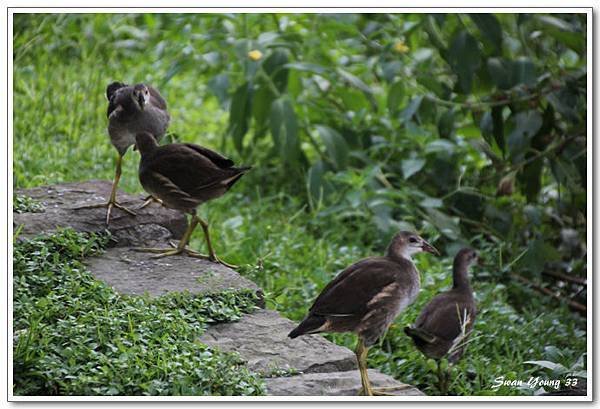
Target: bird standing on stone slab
x: 445, y: 323
x: 366, y: 297
x: 184, y: 176
x: 131, y: 109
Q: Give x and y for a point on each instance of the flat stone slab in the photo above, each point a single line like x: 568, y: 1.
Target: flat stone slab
x: 261, y: 339
x: 136, y: 273
x: 152, y: 224
x: 335, y: 384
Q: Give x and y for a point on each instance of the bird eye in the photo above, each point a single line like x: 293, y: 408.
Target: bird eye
x: 412, y: 240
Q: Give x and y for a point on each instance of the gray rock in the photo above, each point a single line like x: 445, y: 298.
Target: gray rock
x: 152, y: 224
x: 133, y: 272
x: 261, y: 339
x: 334, y: 383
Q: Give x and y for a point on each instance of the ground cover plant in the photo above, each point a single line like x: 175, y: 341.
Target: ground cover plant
x: 467, y: 128
x: 74, y: 335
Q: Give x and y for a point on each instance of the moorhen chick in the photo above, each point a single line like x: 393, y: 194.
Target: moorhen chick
x: 366, y: 297
x: 131, y: 109
x: 184, y: 176
x: 444, y: 325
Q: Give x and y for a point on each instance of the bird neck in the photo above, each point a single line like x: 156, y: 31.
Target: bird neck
x: 147, y: 144
x: 460, y: 276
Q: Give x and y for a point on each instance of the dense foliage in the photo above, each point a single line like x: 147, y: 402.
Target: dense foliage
x: 468, y: 128
x: 73, y: 335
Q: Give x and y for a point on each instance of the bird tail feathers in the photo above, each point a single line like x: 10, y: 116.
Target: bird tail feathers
x: 309, y: 325
x: 419, y: 335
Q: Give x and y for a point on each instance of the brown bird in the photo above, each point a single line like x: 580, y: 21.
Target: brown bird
x: 366, y: 297
x: 131, y: 109
x: 184, y: 176
x: 444, y: 325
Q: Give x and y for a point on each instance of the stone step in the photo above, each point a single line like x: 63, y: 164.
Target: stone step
x: 261, y: 340
x: 132, y: 272
x: 335, y: 384
x: 152, y: 224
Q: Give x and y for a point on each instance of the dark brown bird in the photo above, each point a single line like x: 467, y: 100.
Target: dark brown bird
x: 131, y: 109
x: 444, y: 325
x: 366, y: 297
x: 184, y: 176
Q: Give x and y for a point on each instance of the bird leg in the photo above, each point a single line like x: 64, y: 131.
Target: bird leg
x: 367, y: 390
x: 211, y: 252
x: 180, y: 248
x: 442, y: 378
x: 149, y: 199
x: 112, y: 201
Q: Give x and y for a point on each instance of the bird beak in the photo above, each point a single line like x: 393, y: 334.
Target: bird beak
x: 429, y: 248
x: 141, y: 101
x: 135, y: 147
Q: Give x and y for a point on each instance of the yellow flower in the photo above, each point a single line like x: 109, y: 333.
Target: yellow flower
x: 255, y: 55
x: 400, y: 47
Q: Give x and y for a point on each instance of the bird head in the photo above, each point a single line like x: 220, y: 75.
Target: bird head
x: 145, y: 142
x: 466, y: 257
x: 112, y: 88
x: 140, y: 95
x: 406, y: 243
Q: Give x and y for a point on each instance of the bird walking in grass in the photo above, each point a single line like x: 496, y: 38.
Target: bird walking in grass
x: 184, y: 176
x: 366, y: 297
x: 131, y: 109
x: 444, y: 325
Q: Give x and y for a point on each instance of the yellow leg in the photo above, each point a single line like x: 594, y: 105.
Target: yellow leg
x: 112, y: 201
x: 181, y: 247
x: 211, y: 252
x: 362, y: 352
x: 149, y: 199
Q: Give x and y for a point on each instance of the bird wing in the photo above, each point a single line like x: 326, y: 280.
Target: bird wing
x: 350, y: 292
x: 164, y: 185
x: 156, y: 99
x: 187, y: 169
x: 216, y: 158
x: 444, y: 315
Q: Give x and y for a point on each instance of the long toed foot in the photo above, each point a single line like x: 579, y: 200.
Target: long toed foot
x: 150, y: 199
x: 109, y: 205
x: 211, y: 252
x: 382, y: 391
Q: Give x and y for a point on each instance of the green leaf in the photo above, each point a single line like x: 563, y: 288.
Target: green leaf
x: 336, y: 146
x: 306, y: 66
x: 498, y: 128
x: 526, y: 125
x: 553, y: 366
x: 412, y: 108
x: 500, y: 71
x: 563, y: 32
x: 522, y: 72
x: 446, y: 124
x: 317, y: 188
x: 219, y: 85
x: 395, y: 97
x: 464, y: 57
x: 354, y: 81
x: 538, y: 254
x: 411, y: 166
x: 284, y: 129
x: 274, y: 66
x: 489, y: 25
x: 239, y: 114
x: 261, y: 106
x: 447, y: 225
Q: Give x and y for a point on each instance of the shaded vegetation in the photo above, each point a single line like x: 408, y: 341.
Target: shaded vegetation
x: 470, y: 129
x: 73, y: 335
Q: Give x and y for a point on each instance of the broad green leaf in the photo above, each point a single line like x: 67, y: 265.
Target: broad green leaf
x: 526, y: 125
x: 274, y: 66
x: 523, y: 72
x: 446, y: 124
x: 464, y: 57
x: 261, y: 106
x: 336, y: 146
x: 489, y: 25
x: 539, y: 252
x: 315, y: 183
x: 219, y: 85
x: 447, y: 225
x: 411, y: 166
x: 306, y: 66
x: 239, y: 114
x: 395, y: 97
x: 498, y: 128
x: 354, y: 81
x: 412, y: 108
x: 284, y: 129
x: 563, y: 32
x: 500, y: 71
x: 553, y: 366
